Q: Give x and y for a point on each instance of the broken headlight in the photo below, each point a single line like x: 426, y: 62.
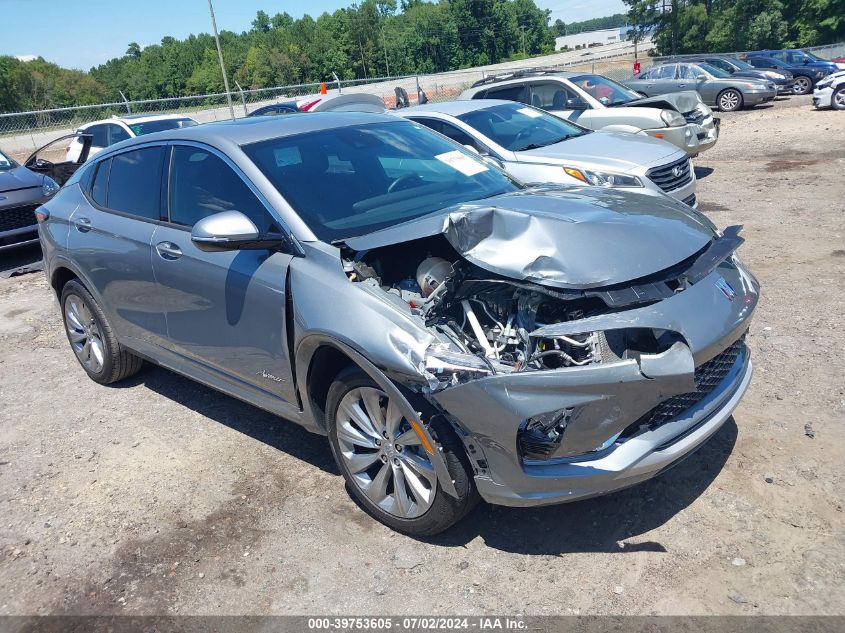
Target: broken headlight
x: 540, y: 437
x: 672, y: 118
x: 603, y: 178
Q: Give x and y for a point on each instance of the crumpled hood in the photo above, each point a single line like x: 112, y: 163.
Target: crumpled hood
x: 614, y: 151
x: 684, y: 101
x: 19, y: 178
x: 578, y: 238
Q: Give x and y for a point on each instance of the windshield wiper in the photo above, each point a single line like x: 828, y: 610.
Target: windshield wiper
x: 539, y: 145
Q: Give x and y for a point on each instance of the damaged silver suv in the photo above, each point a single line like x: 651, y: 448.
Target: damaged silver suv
x: 454, y: 333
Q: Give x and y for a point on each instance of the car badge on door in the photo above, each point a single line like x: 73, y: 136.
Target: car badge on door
x: 726, y: 288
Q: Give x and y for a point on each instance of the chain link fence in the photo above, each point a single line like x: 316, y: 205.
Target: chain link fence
x: 23, y: 132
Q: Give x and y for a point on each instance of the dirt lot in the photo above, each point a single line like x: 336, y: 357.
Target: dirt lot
x: 162, y: 496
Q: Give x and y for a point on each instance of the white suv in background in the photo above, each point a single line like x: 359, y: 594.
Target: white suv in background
x: 119, y: 128
x: 599, y: 103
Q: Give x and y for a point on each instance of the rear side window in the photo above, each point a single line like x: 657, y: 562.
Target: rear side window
x: 99, y: 134
x: 117, y: 134
x: 134, y: 184
x: 664, y: 72
x: 100, y: 184
x: 201, y: 184
x: 508, y: 93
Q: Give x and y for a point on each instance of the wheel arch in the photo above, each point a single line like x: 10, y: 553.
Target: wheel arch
x: 332, y: 356
x: 60, y: 276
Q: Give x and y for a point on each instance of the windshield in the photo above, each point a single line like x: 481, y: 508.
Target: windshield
x: 518, y: 127
x: 605, y: 90
x: 6, y: 163
x: 771, y: 61
x: 712, y: 70
x: 350, y: 181
x: 741, y: 64
x: 149, y: 127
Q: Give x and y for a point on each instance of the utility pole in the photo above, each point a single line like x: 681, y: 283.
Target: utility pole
x: 220, y: 56
x: 523, y: 41
x: 384, y: 44
x: 363, y: 63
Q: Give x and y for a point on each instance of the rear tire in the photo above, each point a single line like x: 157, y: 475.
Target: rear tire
x: 377, y: 451
x: 91, y: 338
x: 729, y: 100
x: 803, y: 85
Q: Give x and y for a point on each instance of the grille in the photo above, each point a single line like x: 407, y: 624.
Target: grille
x: 17, y: 217
x: 707, y: 377
x: 672, y: 176
x: 694, y: 116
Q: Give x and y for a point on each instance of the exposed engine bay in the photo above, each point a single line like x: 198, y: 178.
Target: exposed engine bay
x: 483, y: 322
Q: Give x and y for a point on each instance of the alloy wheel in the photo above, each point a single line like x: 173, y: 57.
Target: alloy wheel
x: 802, y: 86
x: 84, y: 334
x: 729, y: 101
x: 383, y: 454
x: 839, y: 99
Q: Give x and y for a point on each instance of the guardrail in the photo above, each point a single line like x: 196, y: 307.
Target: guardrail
x: 829, y: 51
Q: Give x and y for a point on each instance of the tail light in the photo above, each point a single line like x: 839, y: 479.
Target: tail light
x: 305, y: 107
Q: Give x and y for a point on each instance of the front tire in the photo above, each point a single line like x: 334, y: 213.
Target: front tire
x: 837, y: 101
x: 802, y: 86
x: 91, y: 338
x: 384, y: 463
x: 729, y: 100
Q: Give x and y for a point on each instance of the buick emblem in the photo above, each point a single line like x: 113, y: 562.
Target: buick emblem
x: 726, y: 288
x: 677, y: 170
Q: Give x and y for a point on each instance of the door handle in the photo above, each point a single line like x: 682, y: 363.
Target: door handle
x: 83, y: 225
x: 168, y: 250
x: 681, y: 85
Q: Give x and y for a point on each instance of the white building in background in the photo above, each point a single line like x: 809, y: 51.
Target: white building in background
x: 584, y: 40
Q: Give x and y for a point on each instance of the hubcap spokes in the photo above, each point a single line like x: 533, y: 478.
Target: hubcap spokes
x: 729, y: 101
x: 84, y: 335
x: 383, y: 454
x: 840, y: 99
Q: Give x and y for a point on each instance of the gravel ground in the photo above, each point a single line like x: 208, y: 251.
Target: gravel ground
x: 162, y: 496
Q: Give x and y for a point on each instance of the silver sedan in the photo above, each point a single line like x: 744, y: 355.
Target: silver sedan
x: 537, y: 147
x: 716, y: 87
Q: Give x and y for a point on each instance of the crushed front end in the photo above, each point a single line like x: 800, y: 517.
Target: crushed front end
x: 562, y: 392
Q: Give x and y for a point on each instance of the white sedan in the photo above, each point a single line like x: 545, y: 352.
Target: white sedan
x: 537, y: 147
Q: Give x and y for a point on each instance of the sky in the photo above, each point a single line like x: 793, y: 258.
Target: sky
x: 85, y: 33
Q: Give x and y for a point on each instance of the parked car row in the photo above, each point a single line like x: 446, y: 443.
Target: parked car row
x: 731, y: 83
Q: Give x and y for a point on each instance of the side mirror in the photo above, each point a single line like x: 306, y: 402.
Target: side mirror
x: 604, y: 101
x: 229, y: 231
x: 472, y: 149
x: 576, y: 104
x: 701, y: 78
